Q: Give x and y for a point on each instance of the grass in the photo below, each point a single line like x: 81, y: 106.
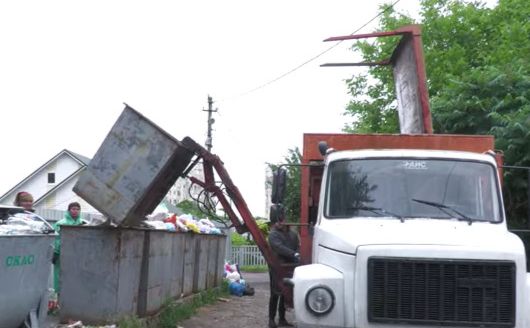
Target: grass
x: 254, y: 268
x: 175, y: 311
x: 132, y: 322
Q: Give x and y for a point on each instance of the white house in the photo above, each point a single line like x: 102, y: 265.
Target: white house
x: 51, y: 184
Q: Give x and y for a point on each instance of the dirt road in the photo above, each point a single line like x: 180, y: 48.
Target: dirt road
x: 246, y: 311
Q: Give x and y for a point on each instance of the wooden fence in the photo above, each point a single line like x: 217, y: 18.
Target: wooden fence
x: 246, y: 255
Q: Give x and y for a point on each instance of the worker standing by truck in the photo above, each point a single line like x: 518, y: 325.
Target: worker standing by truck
x: 285, y: 245
x: 71, y: 217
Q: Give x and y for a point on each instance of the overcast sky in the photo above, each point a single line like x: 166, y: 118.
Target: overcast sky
x: 67, y: 67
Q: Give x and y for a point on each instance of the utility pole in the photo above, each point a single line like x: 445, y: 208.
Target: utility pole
x: 208, y: 199
x: 211, y: 121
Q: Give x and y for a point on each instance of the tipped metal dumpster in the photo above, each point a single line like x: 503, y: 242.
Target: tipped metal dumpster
x: 133, y: 169
x: 24, y: 273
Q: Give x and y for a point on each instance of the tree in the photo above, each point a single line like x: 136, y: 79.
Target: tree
x: 193, y: 208
x: 291, y: 202
x: 478, y: 77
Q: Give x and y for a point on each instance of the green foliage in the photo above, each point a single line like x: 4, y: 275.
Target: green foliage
x: 191, y: 207
x: 478, y: 76
x: 254, y: 268
x: 131, y: 322
x: 373, y: 107
x: 264, y: 227
x: 494, y: 100
x: 240, y: 240
x: 174, y: 312
x: 246, y: 239
x: 224, y: 290
x: 292, y: 190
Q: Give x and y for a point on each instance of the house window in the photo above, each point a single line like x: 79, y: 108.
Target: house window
x: 51, y: 177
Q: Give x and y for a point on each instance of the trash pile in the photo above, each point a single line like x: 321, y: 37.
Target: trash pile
x: 236, y: 284
x: 20, y: 222
x: 182, y: 223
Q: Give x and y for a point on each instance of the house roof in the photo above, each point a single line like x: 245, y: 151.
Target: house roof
x: 81, y: 158
x: 84, y: 161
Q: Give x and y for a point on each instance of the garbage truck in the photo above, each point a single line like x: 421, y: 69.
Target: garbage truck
x: 407, y: 230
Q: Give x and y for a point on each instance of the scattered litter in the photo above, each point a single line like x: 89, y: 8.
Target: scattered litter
x: 236, y: 284
x: 79, y: 324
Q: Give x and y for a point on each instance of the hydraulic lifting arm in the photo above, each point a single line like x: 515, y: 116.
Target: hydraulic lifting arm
x: 212, y: 162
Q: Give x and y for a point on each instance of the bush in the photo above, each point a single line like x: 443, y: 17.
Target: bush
x: 239, y: 240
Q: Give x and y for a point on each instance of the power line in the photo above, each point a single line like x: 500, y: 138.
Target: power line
x: 314, y: 57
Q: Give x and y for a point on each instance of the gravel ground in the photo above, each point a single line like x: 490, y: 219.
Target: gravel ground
x: 246, y: 311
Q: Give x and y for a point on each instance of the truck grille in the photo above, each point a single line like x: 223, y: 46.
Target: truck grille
x: 441, y: 292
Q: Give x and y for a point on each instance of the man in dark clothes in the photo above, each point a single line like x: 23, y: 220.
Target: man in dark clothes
x: 285, y: 245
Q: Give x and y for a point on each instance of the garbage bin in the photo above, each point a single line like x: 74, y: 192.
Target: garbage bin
x: 100, y: 272
x: 24, y: 273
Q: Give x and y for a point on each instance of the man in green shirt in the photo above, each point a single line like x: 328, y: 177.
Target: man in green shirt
x: 72, y: 217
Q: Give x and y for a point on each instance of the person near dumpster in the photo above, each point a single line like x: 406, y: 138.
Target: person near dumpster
x: 24, y: 199
x: 71, y: 217
x: 285, y: 245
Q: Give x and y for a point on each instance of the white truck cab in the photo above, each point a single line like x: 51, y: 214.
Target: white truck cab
x: 412, y: 238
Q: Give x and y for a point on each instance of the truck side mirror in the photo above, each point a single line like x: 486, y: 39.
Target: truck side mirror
x: 323, y: 148
x: 279, y: 181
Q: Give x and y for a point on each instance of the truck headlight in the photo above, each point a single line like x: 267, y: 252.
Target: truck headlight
x: 319, y: 300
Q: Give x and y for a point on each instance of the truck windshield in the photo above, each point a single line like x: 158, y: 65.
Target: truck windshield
x: 412, y: 188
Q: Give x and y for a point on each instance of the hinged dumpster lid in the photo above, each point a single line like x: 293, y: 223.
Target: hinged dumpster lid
x: 133, y: 169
